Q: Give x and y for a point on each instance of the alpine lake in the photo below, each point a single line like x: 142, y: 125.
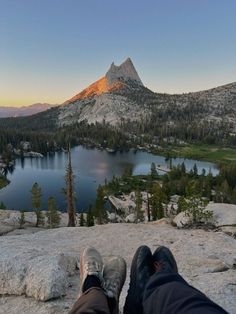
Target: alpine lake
x: 90, y: 166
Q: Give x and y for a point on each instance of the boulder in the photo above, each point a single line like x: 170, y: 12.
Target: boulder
x: 125, y: 205
x: 210, y: 264
x: 223, y: 214
x: 35, y: 275
x: 181, y: 220
x: 174, y: 198
x: 30, y: 218
x: 113, y: 217
x: 224, y: 217
x: 5, y: 229
x: 230, y: 230
x: 130, y: 218
x: 11, y: 218
x: 46, y: 278
x: 162, y: 221
x: 171, y: 210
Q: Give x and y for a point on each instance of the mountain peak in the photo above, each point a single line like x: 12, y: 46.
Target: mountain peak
x: 114, y: 79
x: 124, y: 72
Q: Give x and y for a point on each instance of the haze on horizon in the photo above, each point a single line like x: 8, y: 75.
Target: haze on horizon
x: 51, y: 50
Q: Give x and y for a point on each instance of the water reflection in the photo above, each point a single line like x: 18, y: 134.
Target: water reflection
x: 91, y: 168
x: 22, y: 163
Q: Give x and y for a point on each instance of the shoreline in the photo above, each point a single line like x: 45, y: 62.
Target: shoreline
x: 200, y: 152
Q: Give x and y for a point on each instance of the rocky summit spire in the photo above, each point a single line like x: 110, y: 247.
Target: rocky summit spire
x: 124, y: 72
x: 114, y: 79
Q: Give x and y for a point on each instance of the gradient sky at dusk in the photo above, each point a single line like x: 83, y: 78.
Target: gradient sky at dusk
x: 52, y: 49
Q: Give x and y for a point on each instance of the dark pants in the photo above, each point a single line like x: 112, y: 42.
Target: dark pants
x: 164, y: 294
x: 92, y: 301
x: 171, y: 294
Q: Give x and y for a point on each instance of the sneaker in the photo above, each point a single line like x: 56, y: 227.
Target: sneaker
x: 141, y: 270
x: 114, y: 275
x: 164, y: 261
x: 90, y: 264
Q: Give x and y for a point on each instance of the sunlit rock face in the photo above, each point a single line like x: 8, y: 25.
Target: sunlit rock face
x: 114, y: 79
x: 99, y: 87
x: 105, y: 99
x: 121, y: 96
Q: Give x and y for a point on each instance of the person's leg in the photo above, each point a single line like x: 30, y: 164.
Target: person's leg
x: 141, y: 270
x: 92, y: 299
x: 168, y: 293
x: 100, y: 287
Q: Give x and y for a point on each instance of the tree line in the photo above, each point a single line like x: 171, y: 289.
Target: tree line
x: 194, y: 190
x: 171, y: 118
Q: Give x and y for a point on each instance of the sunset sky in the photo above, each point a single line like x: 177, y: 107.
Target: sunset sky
x: 52, y: 49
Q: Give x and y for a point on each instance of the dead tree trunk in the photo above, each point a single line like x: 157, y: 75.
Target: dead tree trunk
x: 70, y: 193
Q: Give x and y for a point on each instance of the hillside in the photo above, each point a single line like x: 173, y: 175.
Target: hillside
x: 6, y: 112
x: 123, y: 107
x: 46, y: 120
x: 124, y: 99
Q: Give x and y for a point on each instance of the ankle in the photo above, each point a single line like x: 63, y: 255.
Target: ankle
x: 112, y: 304
x: 91, y: 282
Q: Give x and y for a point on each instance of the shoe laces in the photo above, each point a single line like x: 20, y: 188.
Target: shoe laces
x: 159, y: 266
x: 92, y: 267
x: 112, y: 286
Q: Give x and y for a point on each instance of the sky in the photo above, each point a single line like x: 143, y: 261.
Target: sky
x: 52, y: 49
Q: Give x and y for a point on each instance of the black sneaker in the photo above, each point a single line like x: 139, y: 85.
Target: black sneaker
x: 141, y: 270
x: 164, y: 261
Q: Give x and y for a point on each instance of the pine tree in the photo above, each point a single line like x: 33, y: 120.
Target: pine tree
x: 70, y: 196
x: 127, y: 172
x: 234, y: 196
x: 2, y: 205
x: 203, y: 172
x: 157, y: 200
x: 81, y: 222
x: 192, y: 188
x: 225, y: 191
x: 153, y: 170
x: 36, y: 196
x: 195, y: 170
x: 138, y: 207
x: 181, y: 204
x: 53, y: 218
x: 195, y: 209
x: 40, y: 218
x: 22, y: 219
x: 148, y: 208
x: 99, y: 210
x: 90, y: 217
x: 183, y: 168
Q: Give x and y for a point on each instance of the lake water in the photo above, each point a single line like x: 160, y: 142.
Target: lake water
x: 90, y: 167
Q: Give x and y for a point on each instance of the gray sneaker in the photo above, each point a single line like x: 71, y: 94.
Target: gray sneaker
x: 90, y: 264
x: 114, y: 275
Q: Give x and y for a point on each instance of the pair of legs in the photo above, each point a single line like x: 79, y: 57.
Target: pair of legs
x: 101, y: 284
x: 155, y: 286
